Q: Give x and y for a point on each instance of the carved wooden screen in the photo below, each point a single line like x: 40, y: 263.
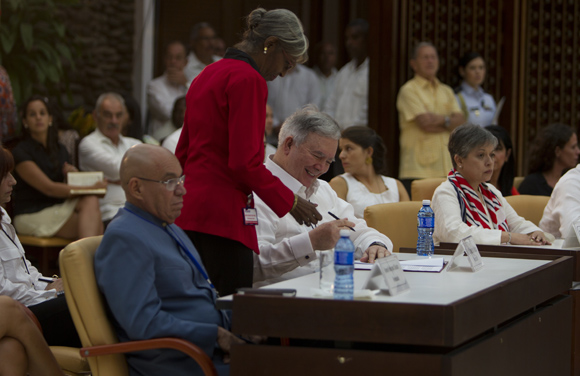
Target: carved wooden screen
x: 551, y: 65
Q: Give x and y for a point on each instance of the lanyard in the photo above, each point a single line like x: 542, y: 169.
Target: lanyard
x: 16, y: 245
x: 175, y: 237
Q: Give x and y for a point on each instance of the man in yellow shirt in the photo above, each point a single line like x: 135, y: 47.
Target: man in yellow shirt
x: 428, y: 112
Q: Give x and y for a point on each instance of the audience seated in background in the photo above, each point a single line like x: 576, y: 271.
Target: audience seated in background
x: 201, y: 49
x: 271, y: 133
x: 269, y: 146
x: 219, y: 47
x: 478, y: 106
x: 428, y: 111
x: 504, y: 164
x: 563, y: 209
x: 554, y: 151
x: 177, y: 116
x: 165, y: 292
x: 43, y: 203
x: 363, y: 156
x: 103, y: 149
x: 291, y: 92
x: 324, y: 59
x: 8, y: 115
x: 22, y: 281
x: 308, y: 140
x: 23, y: 351
x: 133, y: 126
x: 164, y: 90
x: 348, y: 103
x: 466, y: 205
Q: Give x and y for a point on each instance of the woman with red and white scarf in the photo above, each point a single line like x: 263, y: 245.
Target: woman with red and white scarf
x: 467, y: 205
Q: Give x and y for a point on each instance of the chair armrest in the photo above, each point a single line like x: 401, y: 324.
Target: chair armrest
x: 182, y: 345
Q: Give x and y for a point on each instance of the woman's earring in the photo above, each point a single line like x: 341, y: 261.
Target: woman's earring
x: 50, y: 124
x: 265, y: 50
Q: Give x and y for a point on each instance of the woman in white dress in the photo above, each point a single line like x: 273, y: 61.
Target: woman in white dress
x: 362, y: 152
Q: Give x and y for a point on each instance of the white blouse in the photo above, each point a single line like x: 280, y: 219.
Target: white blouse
x: 360, y: 197
x: 449, y: 226
x: 18, y: 279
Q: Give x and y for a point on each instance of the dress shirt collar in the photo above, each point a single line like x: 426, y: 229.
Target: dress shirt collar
x: 232, y: 53
x: 289, y: 181
x: 107, y: 140
x: 144, y: 215
x: 5, y: 217
x: 365, y: 64
x: 423, y: 82
x: 469, y: 90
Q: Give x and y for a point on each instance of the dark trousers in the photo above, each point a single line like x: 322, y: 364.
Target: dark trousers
x: 229, y: 263
x: 56, y: 322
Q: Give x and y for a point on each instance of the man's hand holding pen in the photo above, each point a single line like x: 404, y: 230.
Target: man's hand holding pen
x: 327, y: 234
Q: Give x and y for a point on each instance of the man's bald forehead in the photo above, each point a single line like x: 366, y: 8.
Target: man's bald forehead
x: 141, y: 159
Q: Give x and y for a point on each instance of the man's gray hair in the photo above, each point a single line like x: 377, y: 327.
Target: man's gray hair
x: 197, y: 28
x: 420, y: 45
x: 306, y: 121
x: 110, y: 95
x: 467, y: 137
x: 279, y: 23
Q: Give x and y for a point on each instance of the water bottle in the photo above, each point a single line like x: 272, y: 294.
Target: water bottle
x: 344, y: 267
x: 425, y: 226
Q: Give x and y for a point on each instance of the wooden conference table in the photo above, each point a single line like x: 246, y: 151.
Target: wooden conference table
x: 510, y: 318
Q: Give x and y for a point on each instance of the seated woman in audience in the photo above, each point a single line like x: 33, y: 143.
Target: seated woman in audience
x: 22, y: 282
x: 23, y: 351
x: 503, y: 163
x: 466, y: 205
x: 553, y: 152
x: 362, y: 153
x: 43, y: 203
x: 477, y: 105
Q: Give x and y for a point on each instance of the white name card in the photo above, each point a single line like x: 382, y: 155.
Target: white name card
x: 467, y: 245
x: 387, y: 273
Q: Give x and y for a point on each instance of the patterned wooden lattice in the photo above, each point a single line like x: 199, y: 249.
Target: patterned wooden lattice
x: 552, y: 64
x: 456, y: 27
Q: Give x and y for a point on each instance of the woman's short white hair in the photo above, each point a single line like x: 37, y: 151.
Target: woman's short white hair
x: 306, y: 121
x: 467, y: 137
x: 279, y: 23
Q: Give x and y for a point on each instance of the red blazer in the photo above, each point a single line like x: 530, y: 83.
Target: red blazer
x: 221, y: 150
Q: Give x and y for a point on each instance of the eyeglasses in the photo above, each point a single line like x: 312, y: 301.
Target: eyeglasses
x: 290, y: 63
x: 170, y: 184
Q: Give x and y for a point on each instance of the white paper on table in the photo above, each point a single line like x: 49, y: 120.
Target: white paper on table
x: 432, y: 264
x: 358, y: 265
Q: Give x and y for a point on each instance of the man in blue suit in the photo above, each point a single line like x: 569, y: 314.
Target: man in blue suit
x: 151, y: 274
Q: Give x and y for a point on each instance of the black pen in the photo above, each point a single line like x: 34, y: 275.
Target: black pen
x: 335, y: 217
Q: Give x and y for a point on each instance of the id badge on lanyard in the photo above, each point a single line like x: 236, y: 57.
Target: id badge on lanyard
x: 250, y: 214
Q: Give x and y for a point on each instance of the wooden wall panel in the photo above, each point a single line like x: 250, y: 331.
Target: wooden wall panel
x: 551, y: 90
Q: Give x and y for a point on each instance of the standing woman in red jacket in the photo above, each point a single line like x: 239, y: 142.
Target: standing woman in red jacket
x: 221, y: 148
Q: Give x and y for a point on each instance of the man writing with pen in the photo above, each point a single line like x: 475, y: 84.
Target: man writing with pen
x: 307, y: 145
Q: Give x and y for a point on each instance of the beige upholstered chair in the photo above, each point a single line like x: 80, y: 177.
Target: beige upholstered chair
x: 422, y: 189
x: 87, y: 308
x: 529, y: 207
x: 397, y: 220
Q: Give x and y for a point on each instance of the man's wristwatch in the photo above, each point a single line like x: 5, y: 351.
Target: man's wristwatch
x: 447, y: 121
x: 379, y: 244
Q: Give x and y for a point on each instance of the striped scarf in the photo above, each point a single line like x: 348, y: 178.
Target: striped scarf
x: 472, y: 210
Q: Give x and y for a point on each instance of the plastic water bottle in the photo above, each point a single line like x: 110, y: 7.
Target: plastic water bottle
x: 344, y: 267
x: 425, y: 226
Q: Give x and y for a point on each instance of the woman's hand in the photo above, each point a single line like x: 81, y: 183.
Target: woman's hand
x: 67, y: 167
x: 533, y: 238
x: 100, y: 184
x: 305, y: 212
x: 57, y: 285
